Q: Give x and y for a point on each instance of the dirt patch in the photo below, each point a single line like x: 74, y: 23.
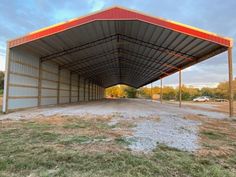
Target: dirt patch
x: 221, y: 107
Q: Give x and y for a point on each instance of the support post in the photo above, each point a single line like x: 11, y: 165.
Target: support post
x: 231, y: 94
x: 151, y: 91
x: 40, y: 82
x: 95, y: 91
x: 161, y: 92
x: 58, y: 85
x: 88, y: 90
x: 6, y: 80
x: 70, y: 87
x: 92, y: 92
x: 78, y: 88
x: 180, y: 89
x: 84, y: 88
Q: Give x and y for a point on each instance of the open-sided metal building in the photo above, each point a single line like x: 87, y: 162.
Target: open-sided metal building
x: 76, y: 60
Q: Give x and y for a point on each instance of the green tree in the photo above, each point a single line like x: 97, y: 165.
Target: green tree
x: 1, y: 80
x: 130, y: 92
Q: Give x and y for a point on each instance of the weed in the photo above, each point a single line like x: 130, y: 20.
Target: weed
x: 213, y: 135
x: 122, y: 141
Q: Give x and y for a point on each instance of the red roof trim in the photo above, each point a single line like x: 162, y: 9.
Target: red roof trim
x: 117, y: 13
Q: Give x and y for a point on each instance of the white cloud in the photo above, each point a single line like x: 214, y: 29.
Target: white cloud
x: 97, y: 5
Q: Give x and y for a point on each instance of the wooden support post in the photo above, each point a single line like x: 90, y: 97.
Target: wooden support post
x: 40, y: 83
x: 58, y: 85
x: 161, y: 94
x: 231, y: 94
x: 70, y: 87
x: 78, y: 88
x: 180, y: 89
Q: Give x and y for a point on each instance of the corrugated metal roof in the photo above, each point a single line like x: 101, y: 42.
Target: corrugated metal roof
x: 131, y: 51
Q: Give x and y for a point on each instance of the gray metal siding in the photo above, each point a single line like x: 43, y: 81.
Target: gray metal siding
x: 74, y: 88
x: 64, y: 86
x: 24, y: 83
x: 49, y: 82
x: 23, y: 79
x: 81, y: 89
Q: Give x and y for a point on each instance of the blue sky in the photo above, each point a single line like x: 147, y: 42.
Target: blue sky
x: 19, y: 17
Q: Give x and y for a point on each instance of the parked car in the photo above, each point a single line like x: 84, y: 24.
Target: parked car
x: 201, y: 99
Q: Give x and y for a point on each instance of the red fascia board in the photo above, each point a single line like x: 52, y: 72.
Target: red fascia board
x: 118, y: 13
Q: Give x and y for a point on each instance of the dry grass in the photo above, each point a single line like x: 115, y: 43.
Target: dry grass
x: 222, y: 107
x: 218, y: 141
x: 218, y: 138
x: 89, y: 146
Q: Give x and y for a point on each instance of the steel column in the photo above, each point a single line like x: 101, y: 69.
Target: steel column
x: 78, y: 88
x: 151, y: 91
x: 6, y: 80
x: 180, y: 89
x: 40, y: 82
x: 88, y: 90
x: 84, y: 88
x: 70, y: 87
x: 231, y: 94
x: 58, y: 85
x: 161, y: 96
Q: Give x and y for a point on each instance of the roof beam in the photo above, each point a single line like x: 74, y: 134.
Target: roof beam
x: 80, y: 47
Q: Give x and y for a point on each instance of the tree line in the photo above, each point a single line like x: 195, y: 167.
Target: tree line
x: 171, y: 93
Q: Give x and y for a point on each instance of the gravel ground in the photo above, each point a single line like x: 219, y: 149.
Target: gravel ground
x: 171, y: 129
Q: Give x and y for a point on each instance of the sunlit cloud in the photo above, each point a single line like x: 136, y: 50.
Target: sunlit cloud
x: 17, y: 18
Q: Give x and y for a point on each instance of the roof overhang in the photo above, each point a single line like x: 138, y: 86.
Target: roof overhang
x: 121, y: 46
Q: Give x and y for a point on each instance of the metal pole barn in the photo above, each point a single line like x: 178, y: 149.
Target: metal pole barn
x: 22, y: 89
x: 231, y: 94
x: 180, y: 89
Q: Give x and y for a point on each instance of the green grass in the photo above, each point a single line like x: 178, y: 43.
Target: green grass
x: 30, y: 148
x: 213, y: 135
x: 1, y: 92
x: 122, y: 141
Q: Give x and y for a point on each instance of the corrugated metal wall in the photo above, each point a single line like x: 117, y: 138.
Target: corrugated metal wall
x: 23, y: 79
x: 26, y: 75
x: 49, y: 83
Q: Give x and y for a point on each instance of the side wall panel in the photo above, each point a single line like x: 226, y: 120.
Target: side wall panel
x: 74, y: 88
x: 86, y: 90
x: 49, y: 82
x: 64, y: 86
x: 23, y: 79
x: 56, y: 85
x: 81, y: 89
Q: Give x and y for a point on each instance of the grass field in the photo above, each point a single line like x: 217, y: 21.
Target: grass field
x: 82, y: 146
